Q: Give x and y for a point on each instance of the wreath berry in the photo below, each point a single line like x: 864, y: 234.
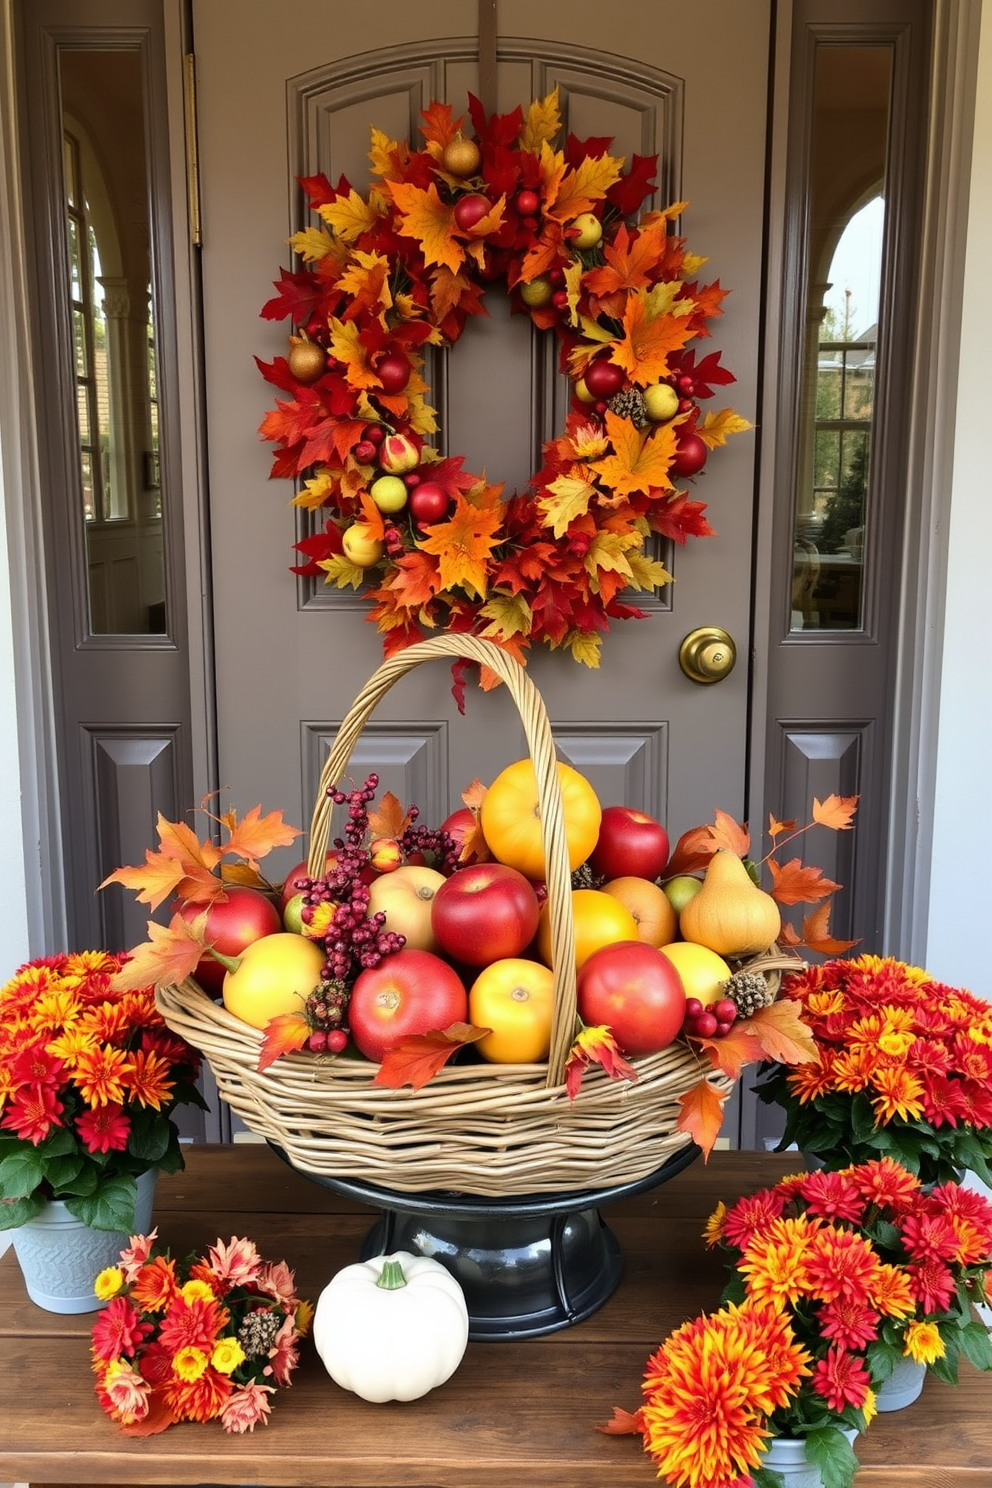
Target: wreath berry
x: 387, y: 274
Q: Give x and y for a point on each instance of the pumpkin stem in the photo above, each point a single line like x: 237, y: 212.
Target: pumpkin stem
x: 391, y: 1276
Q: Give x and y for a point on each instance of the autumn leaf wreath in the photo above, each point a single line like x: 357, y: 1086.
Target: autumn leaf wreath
x: 386, y: 275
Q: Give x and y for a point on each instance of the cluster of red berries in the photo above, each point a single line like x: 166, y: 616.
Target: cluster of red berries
x: 709, y: 1022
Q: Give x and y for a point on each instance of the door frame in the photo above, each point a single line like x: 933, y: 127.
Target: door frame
x: 923, y: 562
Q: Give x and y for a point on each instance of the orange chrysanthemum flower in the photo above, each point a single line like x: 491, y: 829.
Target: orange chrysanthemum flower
x: 147, y: 1077
x: 775, y: 1263
x: 99, y: 1075
x: 898, y: 1092
x: 841, y: 1263
x: 891, y: 1292
x: 155, y: 1285
x: 200, y: 1399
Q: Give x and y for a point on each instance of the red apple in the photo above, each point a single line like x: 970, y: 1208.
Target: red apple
x: 527, y: 202
x: 393, y: 371
x: 603, y: 378
x: 636, y: 991
x: 471, y: 209
x: 233, y: 923
x: 429, y: 503
x: 630, y: 844
x: 485, y: 913
x: 690, y: 457
x: 407, y: 993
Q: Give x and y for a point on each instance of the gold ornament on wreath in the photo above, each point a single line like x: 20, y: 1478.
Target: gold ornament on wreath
x: 387, y: 274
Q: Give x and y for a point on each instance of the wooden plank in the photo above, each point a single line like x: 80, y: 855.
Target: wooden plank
x: 513, y: 1410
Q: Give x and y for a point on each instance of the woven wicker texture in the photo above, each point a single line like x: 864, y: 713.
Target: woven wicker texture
x: 492, y: 1130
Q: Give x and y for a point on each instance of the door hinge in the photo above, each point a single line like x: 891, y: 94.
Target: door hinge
x: 192, y: 155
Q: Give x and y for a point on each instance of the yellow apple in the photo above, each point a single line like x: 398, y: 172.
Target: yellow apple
x: 656, y: 920
x: 661, y: 402
x: 590, y: 230
x: 405, y: 897
x: 360, y: 547
x: 538, y: 292
x: 389, y: 493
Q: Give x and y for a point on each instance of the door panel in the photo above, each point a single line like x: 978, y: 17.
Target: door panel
x: 290, y: 659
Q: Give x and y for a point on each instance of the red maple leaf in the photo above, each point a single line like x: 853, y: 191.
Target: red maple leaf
x: 638, y: 182
x: 298, y: 295
x: 283, y: 1034
x: 417, y: 1058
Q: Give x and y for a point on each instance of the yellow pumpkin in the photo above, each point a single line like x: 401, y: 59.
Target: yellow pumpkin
x: 730, y: 914
x: 511, y: 818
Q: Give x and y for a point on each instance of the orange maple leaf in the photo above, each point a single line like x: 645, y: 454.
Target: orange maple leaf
x: 628, y: 261
x: 835, y: 811
x: 732, y: 1052
x: 728, y: 833
x: 817, y: 937
x: 255, y: 835
x: 462, y: 545
x: 440, y: 126
x: 414, y: 581
x: 782, y: 1034
x: 425, y: 217
x: 389, y: 818
x: 283, y: 1034
x: 794, y: 884
x: 170, y: 954
x: 643, y: 352
x: 776, y: 828
x: 692, y: 851
x: 244, y: 876
x: 417, y: 1058
x: 474, y: 794
x: 640, y: 457
x: 156, y: 880
x: 701, y: 1115
x: 180, y: 841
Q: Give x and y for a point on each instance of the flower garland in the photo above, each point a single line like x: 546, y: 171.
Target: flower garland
x: 402, y: 268
x: 211, y: 1337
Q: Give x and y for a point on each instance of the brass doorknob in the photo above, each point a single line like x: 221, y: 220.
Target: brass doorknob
x: 707, y: 654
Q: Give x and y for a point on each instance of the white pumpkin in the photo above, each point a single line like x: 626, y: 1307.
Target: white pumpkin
x: 391, y: 1328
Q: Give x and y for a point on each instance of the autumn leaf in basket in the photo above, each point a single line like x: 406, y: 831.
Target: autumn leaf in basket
x: 595, y: 1046
x: 417, y: 1058
x: 198, y: 876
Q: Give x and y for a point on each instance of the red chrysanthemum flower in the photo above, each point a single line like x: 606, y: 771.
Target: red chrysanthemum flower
x: 34, y: 1065
x: 932, y: 1284
x: 119, y: 1330
x: 841, y: 1379
x: 887, y: 1183
x: 832, y: 1196
x: 852, y: 1325
x: 193, y: 1324
x: 751, y: 1215
x: 104, y: 1128
x: 928, y: 1237
x: 841, y: 1263
x: 31, y: 1112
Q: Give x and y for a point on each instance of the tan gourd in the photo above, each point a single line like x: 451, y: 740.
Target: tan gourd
x: 730, y: 914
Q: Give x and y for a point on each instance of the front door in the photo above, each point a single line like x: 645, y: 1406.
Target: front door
x: 295, y: 92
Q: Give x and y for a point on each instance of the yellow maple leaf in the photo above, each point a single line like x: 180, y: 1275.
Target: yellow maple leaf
x: 584, y: 648
x: 663, y: 299
x: 641, y: 457
x: 541, y: 122
x: 349, y: 216
x: 608, y: 554
x: 716, y: 427
x: 508, y: 615
x: 366, y: 279
x: 643, y: 352
x: 424, y: 216
x: 312, y: 243
x: 317, y: 490
x: 581, y: 188
x: 462, y: 546
x: 596, y: 337
x: 692, y: 263
x: 571, y: 499
x: 340, y: 571
x: 346, y: 346
x: 573, y: 288
x: 552, y: 171
x: 381, y: 152
x: 647, y: 573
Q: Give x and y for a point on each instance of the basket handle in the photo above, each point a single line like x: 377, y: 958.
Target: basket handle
x: 541, y: 745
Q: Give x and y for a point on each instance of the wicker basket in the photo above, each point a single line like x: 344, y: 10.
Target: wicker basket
x: 492, y: 1130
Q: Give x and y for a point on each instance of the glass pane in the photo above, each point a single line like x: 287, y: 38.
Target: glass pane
x: 849, y: 139
x: 108, y: 236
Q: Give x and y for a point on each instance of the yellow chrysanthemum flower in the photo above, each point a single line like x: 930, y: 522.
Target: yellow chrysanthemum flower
x: 189, y: 1363
x: 227, y: 1355
x: 194, y: 1290
x: 108, y: 1283
x: 922, y: 1342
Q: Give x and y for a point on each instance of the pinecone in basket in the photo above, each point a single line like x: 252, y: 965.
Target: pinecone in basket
x: 584, y: 878
x: 749, y: 991
x: 629, y: 403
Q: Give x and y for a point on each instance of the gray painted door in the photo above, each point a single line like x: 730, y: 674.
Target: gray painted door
x: 294, y: 89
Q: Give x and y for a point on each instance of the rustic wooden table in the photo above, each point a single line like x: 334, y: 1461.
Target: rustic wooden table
x: 514, y: 1412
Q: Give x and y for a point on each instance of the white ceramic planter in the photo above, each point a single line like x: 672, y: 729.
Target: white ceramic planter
x: 787, y: 1456
x: 902, y: 1387
x: 60, y: 1256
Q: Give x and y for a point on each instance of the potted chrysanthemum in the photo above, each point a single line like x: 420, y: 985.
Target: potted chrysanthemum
x: 89, y: 1079
x: 905, y: 1070
x: 934, y: 1248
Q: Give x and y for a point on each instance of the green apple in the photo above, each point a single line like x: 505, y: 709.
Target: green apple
x: 389, y: 493
x: 680, y: 889
x: 661, y: 402
x: 538, y: 292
